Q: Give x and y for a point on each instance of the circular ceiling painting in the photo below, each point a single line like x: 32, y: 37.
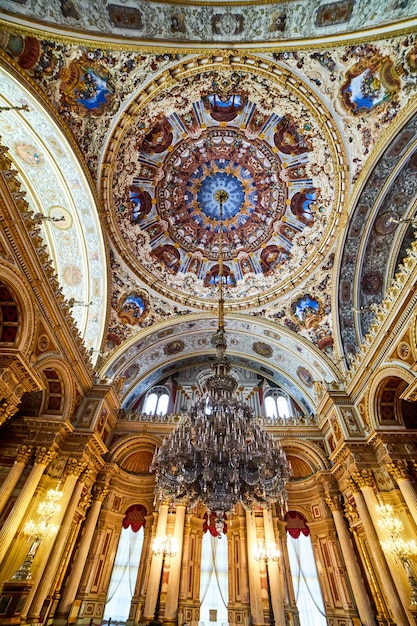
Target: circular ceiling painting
x: 272, y: 153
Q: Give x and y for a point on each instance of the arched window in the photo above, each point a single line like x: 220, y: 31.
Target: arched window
x: 157, y: 401
x: 304, y: 574
x: 125, y: 566
x: 277, y: 404
x: 214, y: 587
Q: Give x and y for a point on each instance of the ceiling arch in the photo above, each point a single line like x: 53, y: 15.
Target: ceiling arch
x: 255, y: 344
x: 379, y: 231
x: 58, y: 188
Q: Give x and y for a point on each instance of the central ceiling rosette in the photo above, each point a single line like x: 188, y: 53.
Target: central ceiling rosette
x: 271, y: 149
x: 222, y: 159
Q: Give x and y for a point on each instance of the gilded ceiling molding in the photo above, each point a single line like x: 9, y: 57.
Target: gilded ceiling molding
x: 308, y: 451
x: 53, y: 362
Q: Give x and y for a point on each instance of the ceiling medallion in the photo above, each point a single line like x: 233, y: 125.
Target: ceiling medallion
x: 246, y: 134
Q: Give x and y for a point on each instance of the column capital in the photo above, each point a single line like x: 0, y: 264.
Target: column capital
x: 100, y: 492
x: 23, y: 454
x: 44, y: 456
x: 398, y: 469
x: 364, y: 478
x: 74, y: 467
x: 352, y: 485
x: 351, y: 513
x: 334, y: 503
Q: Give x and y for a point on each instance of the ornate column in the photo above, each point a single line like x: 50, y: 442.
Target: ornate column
x: 391, y: 596
x: 155, y: 570
x: 171, y: 606
x: 73, y: 580
x: 277, y: 597
x: 72, y: 492
x: 12, y: 523
x: 399, y: 471
x: 363, y: 604
x: 23, y: 454
x: 257, y: 614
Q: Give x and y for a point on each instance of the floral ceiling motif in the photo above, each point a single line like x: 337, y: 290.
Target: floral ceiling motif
x: 235, y: 21
x: 245, y: 134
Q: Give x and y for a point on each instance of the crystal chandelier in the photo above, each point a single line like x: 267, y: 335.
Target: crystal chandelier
x: 36, y: 532
x: 219, y: 454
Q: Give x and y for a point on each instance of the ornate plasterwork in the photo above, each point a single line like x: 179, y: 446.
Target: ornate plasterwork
x: 280, y: 357
x: 388, y: 198
x: 234, y: 21
x: 258, y: 134
x: 56, y: 187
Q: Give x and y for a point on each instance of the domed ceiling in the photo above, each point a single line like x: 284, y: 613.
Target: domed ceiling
x: 250, y: 135
x: 312, y: 146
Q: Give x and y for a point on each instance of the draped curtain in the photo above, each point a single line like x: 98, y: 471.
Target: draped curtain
x: 125, y: 567
x: 307, y: 590
x: 214, y: 578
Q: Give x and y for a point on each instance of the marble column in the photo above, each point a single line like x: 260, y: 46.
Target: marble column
x: 257, y: 614
x: 23, y: 454
x: 13, y: 521
x: 71, y: 496
x: 391, y: 596
x: 399, y: 471
x: 363, y: 603
x: 171, y: 606
x: 155, y: 570
x: 277, y: 597
x: 73, y: 581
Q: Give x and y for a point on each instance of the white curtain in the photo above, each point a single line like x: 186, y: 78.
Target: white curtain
x: 124, y: 574
x: 214, y: 592
x: 306, y: 582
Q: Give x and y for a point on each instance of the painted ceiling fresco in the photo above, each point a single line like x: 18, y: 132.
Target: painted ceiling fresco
x: 58, y: 192
x: 230, y: 21
x: 292, y: 137
x: 275, y: 165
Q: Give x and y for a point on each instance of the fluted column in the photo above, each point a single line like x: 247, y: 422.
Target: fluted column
x: 12, y: 523
x: 23, y: 455
x: 171, y: 606
x: 391, y: 596
x: 399, y: 471
x: 275, y: 579
x: 363, y: 603
x: 73, y: 581
x: 71, y: 496
x: 257, y: 614
x: 155, y: 571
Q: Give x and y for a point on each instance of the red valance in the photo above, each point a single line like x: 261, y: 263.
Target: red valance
x: 296, y: 524
x: 209, y: 525
x: 135, y: 517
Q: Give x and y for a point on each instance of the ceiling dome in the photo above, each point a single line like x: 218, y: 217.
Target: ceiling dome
x: 266, y: 146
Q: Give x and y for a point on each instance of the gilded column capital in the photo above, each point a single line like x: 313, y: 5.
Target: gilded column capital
x: 364, y: 478
x: 44, y: 456
x: 352, y: 485
x: 351, y: 513
x: 99, y: 492
x: 23, y: 454
x: 398, y: 469
x: 74, y: 467
x: 334, y: 503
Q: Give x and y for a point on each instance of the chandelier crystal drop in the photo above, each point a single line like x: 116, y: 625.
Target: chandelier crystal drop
x: 219, y: 454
